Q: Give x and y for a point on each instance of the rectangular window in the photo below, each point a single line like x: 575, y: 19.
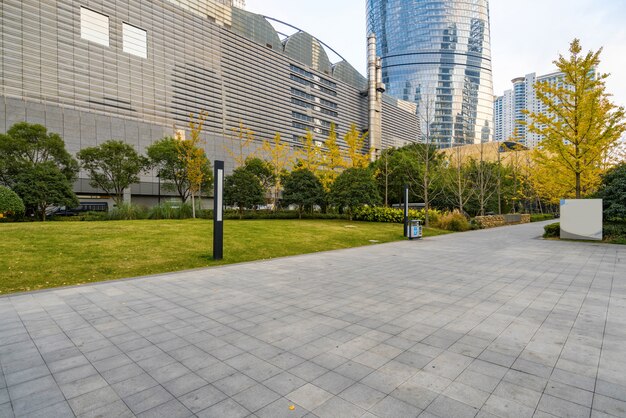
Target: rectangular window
x: 94, y: 26
x: 135, y: 40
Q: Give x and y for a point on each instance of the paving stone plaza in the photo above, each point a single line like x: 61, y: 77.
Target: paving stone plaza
x: 486, y: 323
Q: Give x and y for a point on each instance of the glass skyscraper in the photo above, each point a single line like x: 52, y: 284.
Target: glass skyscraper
x: 437, y: 54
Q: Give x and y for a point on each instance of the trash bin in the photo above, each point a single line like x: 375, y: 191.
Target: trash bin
x: 415, y: 229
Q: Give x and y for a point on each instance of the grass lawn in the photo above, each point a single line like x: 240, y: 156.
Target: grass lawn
x: 41, y: 255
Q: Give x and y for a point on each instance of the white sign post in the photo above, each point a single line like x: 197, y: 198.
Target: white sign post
x: 581, y: 219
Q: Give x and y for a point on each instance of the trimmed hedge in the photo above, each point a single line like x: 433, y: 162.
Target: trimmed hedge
x: 538, y: 217
x: 393, y: 215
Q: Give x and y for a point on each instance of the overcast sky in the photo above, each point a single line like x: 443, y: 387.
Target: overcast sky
x: 526, y: 36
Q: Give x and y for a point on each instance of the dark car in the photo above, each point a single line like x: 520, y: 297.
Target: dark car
x: 82, y: 208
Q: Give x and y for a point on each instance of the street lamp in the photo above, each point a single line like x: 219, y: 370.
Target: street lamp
x: 159, y: 177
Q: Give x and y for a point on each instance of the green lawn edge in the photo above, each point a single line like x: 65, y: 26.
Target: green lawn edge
x: 39, y: 256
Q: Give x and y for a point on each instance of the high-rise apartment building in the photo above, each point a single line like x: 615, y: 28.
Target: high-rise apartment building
x: 503, y: 116
x: 437, y: 54
x: 134, y: 70
x: 511, y: 110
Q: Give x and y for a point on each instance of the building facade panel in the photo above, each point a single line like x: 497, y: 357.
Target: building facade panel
x: 164, y: 60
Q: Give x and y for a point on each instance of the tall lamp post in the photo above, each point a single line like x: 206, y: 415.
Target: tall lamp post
x: 159, y: 177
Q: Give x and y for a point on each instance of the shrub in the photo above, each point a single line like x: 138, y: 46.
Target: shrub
x: 85, y: 216
x: 392, y: 215
x: 475, y: 225
x: 127, y: 212
x: 378, y: 214
x: 538, y: 217
x: 171, y: 210
x: 613, y: 193
x: 10, y: 202
x: 453, y: 221
x: 268, y: 214
x: 552, y: 230
x: 615, y: 232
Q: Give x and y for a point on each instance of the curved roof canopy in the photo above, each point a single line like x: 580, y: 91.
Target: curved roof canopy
x: 348, y: 74
x: 304, y: 48
x: 256, y: 28
x: 300, y: 46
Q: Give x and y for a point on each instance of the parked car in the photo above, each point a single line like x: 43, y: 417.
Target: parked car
x: 80, y: 209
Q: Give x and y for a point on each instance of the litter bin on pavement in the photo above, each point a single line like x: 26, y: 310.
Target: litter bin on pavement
x: 415, y: 229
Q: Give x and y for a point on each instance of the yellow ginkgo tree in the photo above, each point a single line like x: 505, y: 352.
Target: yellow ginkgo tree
x: 280, y: 157
x: 580, y: 125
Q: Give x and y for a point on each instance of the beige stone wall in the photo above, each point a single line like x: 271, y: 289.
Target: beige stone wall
x: 493, y: 221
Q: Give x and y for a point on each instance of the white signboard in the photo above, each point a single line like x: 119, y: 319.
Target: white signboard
x: 581, y: 219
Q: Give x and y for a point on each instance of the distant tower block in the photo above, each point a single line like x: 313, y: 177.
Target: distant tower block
x: 241, y: 4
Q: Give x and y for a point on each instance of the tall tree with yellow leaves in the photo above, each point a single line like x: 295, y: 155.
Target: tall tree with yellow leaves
x: 193, y: 157
x: 333, y: 161
x: 581, y: 125
x: 280, y: 157
x: 242, y: 137
x: 357, y: 157
x: 309, y: 156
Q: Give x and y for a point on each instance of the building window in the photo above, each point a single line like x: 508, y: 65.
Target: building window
x: 94, y: 26
x: 135, y: 40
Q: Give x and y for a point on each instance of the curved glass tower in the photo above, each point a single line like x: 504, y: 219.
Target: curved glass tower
x: 437, y: 54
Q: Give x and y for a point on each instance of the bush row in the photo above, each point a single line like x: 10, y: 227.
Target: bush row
x: 451, y: 221
x: 393, y: 215
x: 538, y: 217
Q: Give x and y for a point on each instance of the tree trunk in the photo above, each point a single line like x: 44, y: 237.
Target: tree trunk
x: 193, y: 206
x: 460, y: 189
x: 386, y: 180
x: 426, y: 208
x: 577, y: 185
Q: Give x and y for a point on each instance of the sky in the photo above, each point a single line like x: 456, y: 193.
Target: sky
x: 526, y: 36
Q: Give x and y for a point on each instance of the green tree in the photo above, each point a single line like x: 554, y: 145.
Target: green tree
x: 382, y: 172
x: 112, y: 166
x: 164, y: 157
x: 581, y: 125
x: 28, y: 144
x: 10, y: 202
x: 304, y: 189
x: 354, y: 188
x: 23, y: 150
x: 243, y: 189
x: 262, y: 170
x: 394, y: 169
x: 42, y: 185
x: 613, y: 192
